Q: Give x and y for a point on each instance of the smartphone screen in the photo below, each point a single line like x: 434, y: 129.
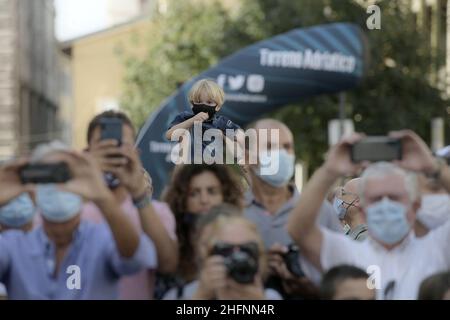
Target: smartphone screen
x: 377, y: 149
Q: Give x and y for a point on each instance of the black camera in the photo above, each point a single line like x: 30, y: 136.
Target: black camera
x: 45, y: 173
x: 241, y: 261
x: 291, y: 259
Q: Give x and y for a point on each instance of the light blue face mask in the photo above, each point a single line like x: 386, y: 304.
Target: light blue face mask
x: 57, y: 205
x: 283, y: 173
x: 386, y: 220
x: 338, y: 205
x: 18, y: 212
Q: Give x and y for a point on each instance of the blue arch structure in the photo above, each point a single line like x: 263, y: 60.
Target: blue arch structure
x: 263, y: 77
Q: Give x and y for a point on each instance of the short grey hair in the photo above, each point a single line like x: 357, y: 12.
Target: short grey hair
x: 383, y: 169
x: 44, y: 149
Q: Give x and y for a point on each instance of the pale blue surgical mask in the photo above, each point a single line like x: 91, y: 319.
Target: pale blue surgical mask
x: 338, y: 205
x: 57, y: 205
x: 18, y: 212
x: 435, y: 210
x: 387, y: 222
x: 283, y: 169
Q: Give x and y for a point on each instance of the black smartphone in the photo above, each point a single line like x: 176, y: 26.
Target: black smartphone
x: 377, y: 148
x: 292, y: 261
x: 111, y: 128
x: 45, y: 173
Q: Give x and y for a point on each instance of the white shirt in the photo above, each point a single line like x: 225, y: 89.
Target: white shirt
x: 407, y: 265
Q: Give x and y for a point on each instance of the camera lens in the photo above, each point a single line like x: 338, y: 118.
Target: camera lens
x: 242, y: 267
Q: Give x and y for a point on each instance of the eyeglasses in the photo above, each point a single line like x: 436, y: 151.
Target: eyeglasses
x: 349, y: 204
x: 342, y: 193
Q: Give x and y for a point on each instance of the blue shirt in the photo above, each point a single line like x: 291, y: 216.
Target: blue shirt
x: 27, y: 263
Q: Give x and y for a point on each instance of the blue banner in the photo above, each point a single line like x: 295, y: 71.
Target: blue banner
x: 263, y: 77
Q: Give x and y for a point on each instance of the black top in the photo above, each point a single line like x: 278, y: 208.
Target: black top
x: 217, y: 122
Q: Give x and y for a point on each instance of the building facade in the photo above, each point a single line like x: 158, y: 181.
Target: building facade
x: 96, y: 64
x: 29, y: 73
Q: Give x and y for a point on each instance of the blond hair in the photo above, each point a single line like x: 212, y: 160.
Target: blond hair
x: 209, y: 235
x: 212, y: 90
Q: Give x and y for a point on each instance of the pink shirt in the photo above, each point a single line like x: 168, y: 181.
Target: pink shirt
x: 139, y: 286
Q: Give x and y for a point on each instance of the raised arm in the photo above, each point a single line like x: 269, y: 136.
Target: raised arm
x: 10, y: 185
x: 302, y: 225
x: 88, y: 182
x: 417, y: 157
x: 187, y: 124
x: 133, y: 177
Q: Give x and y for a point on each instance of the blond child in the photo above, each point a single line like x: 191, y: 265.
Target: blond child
x: 206, y: 98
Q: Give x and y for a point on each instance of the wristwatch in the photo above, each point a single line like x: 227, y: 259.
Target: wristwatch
x: 143, y: 200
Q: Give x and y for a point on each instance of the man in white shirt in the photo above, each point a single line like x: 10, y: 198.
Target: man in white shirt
x: 395, y: 258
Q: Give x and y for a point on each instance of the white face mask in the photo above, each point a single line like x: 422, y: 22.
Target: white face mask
x: 435, y: 210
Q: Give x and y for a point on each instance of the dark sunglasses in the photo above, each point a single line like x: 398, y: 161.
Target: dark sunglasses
x: 226, y: 249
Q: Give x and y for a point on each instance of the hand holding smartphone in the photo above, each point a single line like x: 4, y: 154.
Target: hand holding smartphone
x: 376, y: 148
x: 111, y: 129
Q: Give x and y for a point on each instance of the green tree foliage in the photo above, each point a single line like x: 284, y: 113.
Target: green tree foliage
x: 183, y: 42
x: 396, y: 92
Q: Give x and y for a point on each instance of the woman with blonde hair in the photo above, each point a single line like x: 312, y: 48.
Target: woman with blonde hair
x: 231, y: 258
x: 191, y: 193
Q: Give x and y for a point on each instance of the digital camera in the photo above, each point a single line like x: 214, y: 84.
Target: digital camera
x: 291, y: 259
x: 241, y: 261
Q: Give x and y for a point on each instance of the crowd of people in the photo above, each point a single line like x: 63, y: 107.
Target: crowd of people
x: 219, y: 232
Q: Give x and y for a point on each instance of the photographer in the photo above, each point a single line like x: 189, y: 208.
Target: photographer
x: 38, y: 264
x: 191, y: 193
x: 231, y: 259
x: 389, y: 200
x: 110, y: 139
